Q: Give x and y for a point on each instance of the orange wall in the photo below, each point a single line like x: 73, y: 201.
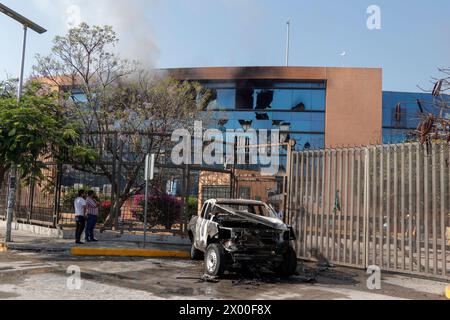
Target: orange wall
x: 354, y: 107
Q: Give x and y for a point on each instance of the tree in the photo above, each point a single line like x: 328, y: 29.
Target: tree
x: 140, y: 107
x: 33, y: 131
x: 8, y: 88
x: 435, y: 125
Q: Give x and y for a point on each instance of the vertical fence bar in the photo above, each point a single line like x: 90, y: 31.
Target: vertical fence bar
x: 341, y: 168
x: 186, y: 194
x: 410, y: 208
x: 381, y: 207
x: 302, y: 204
x: 366, y: 206
x: 418, y: 208
x: 334, y: 212
x: 447, y: 216
x: 295, y: 176
x: 328, y: 201
x: 373, y: 225
x: 388, y: 207
x: 311, y: 200
x: 119, y: 177
x: 434, y: 207
x: 345, y: 203
x: 31, y: 189
x: 443, y: 211
x: 114, y: 196
x: 322, y: 203
x: 396, y: 194
x: 306, y: 205
x: 403, y: 207
x: 352, y: 205
x: 57, y: 195
x: 317, y: 195
x: 426, y: 212
x: 358, y: 208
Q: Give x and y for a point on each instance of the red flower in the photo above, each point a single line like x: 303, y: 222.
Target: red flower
x: 106, y: 204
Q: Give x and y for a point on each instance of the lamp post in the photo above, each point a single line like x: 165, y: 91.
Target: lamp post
x: 288, y: 40
x: 149, y: 175
x: 284, y: 129
x: 26, y: 23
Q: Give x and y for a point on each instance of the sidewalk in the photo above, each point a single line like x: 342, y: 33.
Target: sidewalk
x: 24, y: 241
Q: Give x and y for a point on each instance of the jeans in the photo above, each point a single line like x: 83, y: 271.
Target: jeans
x: 81, y: 223
x: 90, y: 227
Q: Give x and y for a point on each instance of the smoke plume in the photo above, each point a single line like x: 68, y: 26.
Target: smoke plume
x: 127, y: 18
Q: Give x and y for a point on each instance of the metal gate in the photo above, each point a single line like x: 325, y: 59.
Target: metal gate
x: 387, y: 206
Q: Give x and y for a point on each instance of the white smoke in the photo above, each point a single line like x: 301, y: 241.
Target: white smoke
x: 128, y: 19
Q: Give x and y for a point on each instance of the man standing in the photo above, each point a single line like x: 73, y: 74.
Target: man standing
x: 80, y: 215
x: 92, y: 215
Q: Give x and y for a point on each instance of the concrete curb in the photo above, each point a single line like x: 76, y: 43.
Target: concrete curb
x: 36, y: 248
x: 122, y: 252
x: 135, y: 238
x: 35, y: 230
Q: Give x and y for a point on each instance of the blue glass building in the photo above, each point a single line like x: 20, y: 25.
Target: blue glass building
x: 402, y: 114
x: 297, y: 109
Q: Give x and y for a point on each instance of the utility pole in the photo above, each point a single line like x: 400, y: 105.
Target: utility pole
x: 288, y: 41
x: 149, y: 175
x: 12, y: 183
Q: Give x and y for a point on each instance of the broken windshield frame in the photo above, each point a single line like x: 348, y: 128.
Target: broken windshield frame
x: 258, y: 210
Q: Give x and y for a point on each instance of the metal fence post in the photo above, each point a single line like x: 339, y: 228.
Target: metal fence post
x: 186, y: 176
x: 434, y: 206
x: 443, y: 211
x: 366, y: 205
x: 119, y: 178
x: 57, y: 196
x: 114, y: 196
x: 30, y: 200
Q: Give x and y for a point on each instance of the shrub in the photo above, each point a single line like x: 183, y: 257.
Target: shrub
x: 163, y: 210
x: 69, y: 197
x: 191, y: 208
x: 71, y: 194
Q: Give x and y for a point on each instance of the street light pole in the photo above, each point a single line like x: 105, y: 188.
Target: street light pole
x: 12, y: 183
x: 22, y: 67
x: 288, y: 41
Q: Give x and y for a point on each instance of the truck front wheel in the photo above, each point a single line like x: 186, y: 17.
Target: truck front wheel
x: 215, y: 260
x: 289, y: 265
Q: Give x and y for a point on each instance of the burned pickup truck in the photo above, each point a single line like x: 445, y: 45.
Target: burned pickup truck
x: 232, y: 234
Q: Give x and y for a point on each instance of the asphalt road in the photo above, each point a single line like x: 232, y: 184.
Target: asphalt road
x: 44, y: 276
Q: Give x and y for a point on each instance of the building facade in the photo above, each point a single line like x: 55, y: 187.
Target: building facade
x: 316, y: 107
x: 402, y: 113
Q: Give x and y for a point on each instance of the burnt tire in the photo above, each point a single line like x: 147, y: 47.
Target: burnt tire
x: 196, y: 255
x: 288, y: 267
x: 215, y: 260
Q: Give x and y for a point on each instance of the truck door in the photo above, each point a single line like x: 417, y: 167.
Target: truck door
x: 202, y: 227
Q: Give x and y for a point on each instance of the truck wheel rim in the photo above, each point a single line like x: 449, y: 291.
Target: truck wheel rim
x: 211, y: 261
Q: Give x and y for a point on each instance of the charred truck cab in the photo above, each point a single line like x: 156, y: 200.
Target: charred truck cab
x: 230, y: 234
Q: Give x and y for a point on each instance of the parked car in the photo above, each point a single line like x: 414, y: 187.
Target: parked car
x: 230, y: 234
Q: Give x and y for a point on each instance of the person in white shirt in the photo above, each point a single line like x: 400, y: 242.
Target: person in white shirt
x: 80, y: 215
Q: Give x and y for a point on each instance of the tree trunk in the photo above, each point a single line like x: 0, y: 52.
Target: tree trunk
x: 3, y: 171
x: 110, y: 219
x: 11, y: 203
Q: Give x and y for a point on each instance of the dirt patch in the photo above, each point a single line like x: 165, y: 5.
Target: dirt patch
x: 8, y: 295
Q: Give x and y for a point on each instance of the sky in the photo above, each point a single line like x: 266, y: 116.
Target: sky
x: 411, y: 45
